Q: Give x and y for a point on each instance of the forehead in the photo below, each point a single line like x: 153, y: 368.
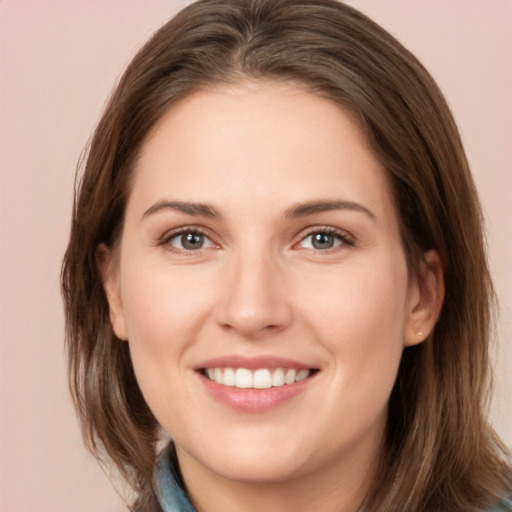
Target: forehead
x: 258, y: 143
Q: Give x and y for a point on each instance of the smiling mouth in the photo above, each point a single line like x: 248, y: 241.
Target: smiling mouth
x: 262, y: 378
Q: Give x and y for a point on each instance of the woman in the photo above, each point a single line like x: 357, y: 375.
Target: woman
x: 277, y: 260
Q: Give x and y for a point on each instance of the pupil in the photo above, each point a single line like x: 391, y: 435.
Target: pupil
x: 192, y: 241
x: 323, y: 241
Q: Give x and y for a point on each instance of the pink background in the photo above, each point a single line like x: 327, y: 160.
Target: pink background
x: 58, y: 62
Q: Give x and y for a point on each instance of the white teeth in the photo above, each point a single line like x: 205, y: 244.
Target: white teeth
x: 290, y: 376
x: 278, y: 378
x: 243, y: 378
x: 262, y: 378
x: 301, y: 375
x: 229, y: 377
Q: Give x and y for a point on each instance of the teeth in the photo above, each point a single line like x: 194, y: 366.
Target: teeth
x: 278, y: 378
x: 243, y: 378
x: 290, y: 376
x: 301, y: 375
x: 262, y: 378
x: 229, y: 377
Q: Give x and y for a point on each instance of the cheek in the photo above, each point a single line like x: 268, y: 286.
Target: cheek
x: 166, y: 307
x: 359, y: 315
x: 164, y: 315
x: 163, y: 309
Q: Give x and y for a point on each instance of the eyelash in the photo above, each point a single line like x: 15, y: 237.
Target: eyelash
x: 185, y: 230
x: 346, y: 240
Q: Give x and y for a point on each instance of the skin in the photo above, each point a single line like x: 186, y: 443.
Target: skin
x: 253, y: 152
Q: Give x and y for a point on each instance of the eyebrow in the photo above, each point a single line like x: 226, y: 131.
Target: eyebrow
x: 196, y: 209
x: 298, y: 210
x: 312, y: 207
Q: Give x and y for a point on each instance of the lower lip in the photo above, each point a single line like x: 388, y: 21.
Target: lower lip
x: 255, y: 400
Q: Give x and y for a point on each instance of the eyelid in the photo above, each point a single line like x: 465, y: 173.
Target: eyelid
x: 346, y: 238
x: 173, y: 233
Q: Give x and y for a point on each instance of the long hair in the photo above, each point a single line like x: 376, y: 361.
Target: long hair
x: 440, y: 452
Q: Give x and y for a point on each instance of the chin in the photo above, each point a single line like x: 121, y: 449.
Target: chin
x: 253, y: 458
x: 260, y: 469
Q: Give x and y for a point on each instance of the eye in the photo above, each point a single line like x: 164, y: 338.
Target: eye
x: 189, y: 240
x: 321, y: 240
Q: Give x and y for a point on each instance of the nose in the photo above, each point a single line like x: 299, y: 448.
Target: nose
x: 253, y: 300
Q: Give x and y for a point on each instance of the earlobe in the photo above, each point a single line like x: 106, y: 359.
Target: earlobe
x: 426, y: 298
x: 110, y: 279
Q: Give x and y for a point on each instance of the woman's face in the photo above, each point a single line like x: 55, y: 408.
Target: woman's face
x: 261, y: 249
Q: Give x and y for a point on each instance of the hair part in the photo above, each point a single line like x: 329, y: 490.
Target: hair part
x: 439, y: 447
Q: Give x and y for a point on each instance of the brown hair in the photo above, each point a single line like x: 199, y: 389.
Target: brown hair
x: 440, y: 451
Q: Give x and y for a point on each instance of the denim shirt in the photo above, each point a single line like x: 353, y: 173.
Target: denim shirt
x: 172, y: 497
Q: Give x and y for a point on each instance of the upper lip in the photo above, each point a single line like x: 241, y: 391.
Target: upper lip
x: 252, y: 363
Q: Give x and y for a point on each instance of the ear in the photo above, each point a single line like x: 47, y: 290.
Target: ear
x: 105, y: 261
x: 425, y: 300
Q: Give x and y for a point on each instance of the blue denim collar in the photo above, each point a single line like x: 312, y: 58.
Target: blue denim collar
x: 504, y: 506
x: 171, y: 494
